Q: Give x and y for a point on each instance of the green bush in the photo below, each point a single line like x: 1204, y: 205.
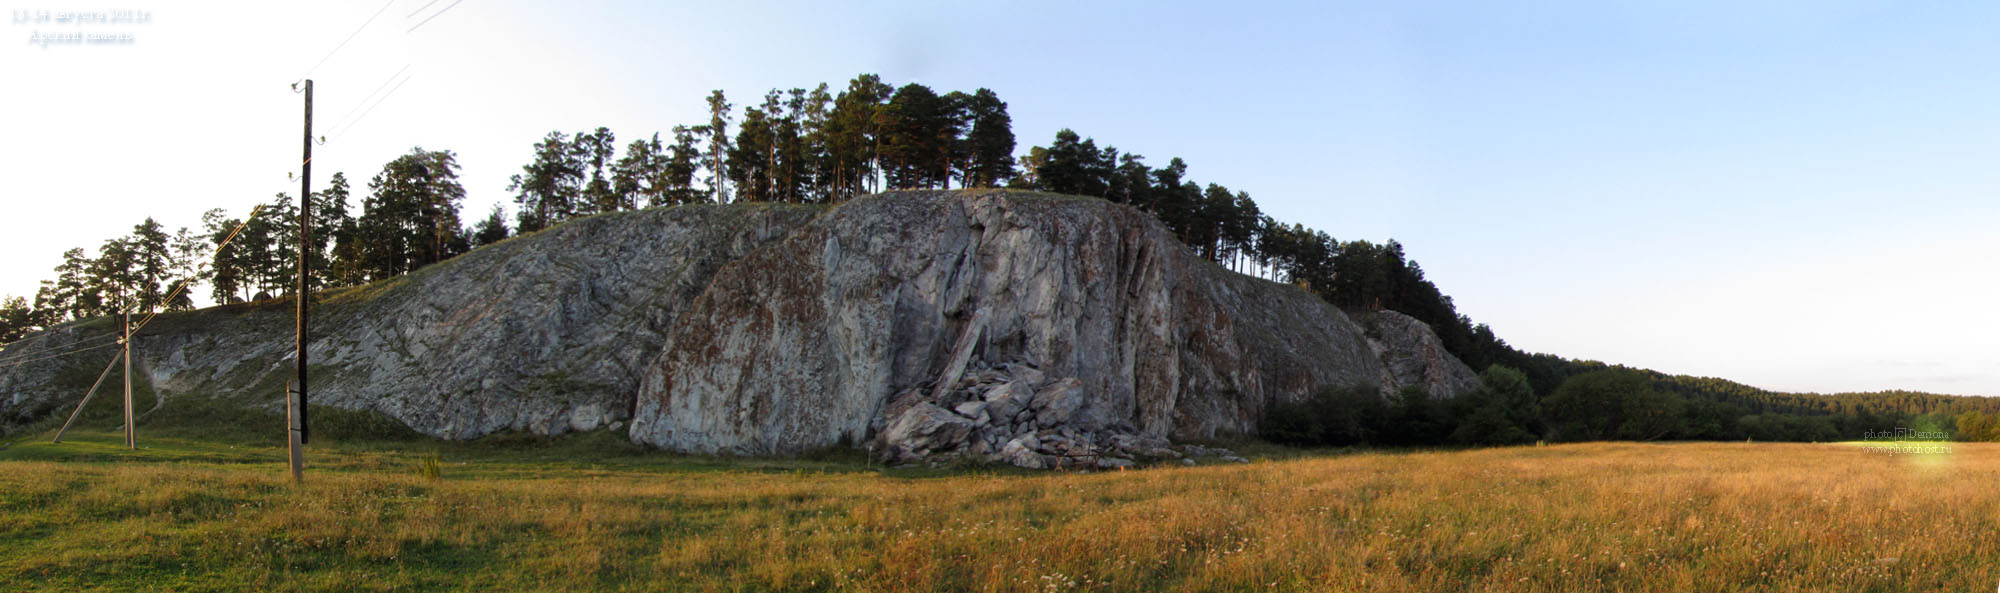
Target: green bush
x: 1502, y: 411
x: 1415, y: 418
x: 1613, y: 403
x: 1331, y: 417
x: 341, y: 424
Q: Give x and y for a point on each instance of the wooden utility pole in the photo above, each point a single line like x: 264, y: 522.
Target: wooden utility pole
x: 295, y: 451
x: 305, y: 260
x: 295, y: 409
x: 131, y: 432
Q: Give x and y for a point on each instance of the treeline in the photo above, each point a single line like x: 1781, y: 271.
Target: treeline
x: 1760, y: 401
x: 134, y: 272
x: 1977, y: 426
x: 409, y: 219
x: 1605, y: 403
x: 796, y: 146
x: 809, y: 146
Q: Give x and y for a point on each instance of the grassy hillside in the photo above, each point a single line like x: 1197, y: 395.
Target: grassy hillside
x: 590, y: 513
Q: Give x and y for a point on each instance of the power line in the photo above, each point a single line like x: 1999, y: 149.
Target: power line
x: 413, y: 13
x: 433, y: 15
x: 178, y: 288
x: 341, y: 126
x: 25, y: 358
x: 371, y: 108
x: 343, y: 42
x: 79, y: 342
x: 218, y: 250
x: 60, y: 354
x: 371, y: 95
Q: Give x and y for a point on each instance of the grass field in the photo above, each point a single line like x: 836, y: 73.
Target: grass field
x: 588, y: 513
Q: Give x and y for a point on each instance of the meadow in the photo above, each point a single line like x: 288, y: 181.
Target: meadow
x: 589, y: 513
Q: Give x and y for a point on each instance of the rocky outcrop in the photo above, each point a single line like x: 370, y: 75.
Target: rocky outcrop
x: 543, y: 333
x: 819, y: 338
x: 1009, y: 413
x: 1022, y: 328
x: 38, y: 374
x: 549, y: 333
x: 1413, y: 355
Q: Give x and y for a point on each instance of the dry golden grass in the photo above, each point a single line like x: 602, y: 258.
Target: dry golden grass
x: 1590, y: 517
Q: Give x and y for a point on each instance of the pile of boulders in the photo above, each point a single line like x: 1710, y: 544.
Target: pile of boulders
x: 1011, y: 413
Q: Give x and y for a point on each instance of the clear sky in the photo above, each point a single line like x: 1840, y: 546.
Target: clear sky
x: 1796, y: 194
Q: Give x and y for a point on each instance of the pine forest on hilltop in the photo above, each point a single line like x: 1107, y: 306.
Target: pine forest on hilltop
x: 818, y: 147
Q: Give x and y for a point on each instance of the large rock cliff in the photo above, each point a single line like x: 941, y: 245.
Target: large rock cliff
x: 965, y: 323
x: 544, y: 333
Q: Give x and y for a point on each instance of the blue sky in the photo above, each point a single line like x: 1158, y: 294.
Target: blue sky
x: 1794, y: 194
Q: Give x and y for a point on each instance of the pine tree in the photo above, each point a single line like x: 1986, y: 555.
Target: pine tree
x: 681, y: 167
x: 547, y: 190
x: 913, y: 128
x: 594, y: 151
x: 954, y: 152
x: 1176, y: 201
x: 1072, y: 165
x: 990, y: 142
x: 277, y: 266
x: 111, y: 278
x: 641, y: 176
x: 772, y: 142
x: 333, y: 234
x: 152, y: 265
x: 1131, y: 182
x: 792, y: 161
x: 66, y: 297
x: 717, y: 132
x: 189, y: 267
x: 17, y: 319
x: 1239, y: 230
x: 491, y: 230
x: 1205, y: 231
x: 853, y: 138
x: 815, y: 146
x: 749, y: 164
x: 227, y: 268
x: 410, y: 218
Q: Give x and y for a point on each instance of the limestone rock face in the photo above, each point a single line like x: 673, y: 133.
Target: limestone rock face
x: 52, y: 369
x: 1411, y: 354
x: 802, y: 343
x: 1043, y: 331
x: 543, y: 333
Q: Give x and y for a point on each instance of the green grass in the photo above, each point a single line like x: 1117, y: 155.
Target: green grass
x: 194, y: 514
x: 592, y: 512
